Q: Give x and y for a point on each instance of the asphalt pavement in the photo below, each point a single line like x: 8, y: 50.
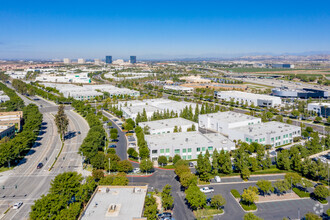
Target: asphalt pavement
x: 32, y: 182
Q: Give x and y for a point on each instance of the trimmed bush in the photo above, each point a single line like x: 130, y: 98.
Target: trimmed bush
x: 235, y: 193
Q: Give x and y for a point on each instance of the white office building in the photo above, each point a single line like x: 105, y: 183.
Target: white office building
x: 321, y: 109
x: 81, y: 61
x: 223, y: 121
x: 178, y: 88
x: 66, y: 78
x: 66, y: 60
x: 271, y: 133
x: 188, y: 145
x: 249, y: 98
x: 168, y: 125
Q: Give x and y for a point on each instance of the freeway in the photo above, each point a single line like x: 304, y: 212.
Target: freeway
x: 31, y: 182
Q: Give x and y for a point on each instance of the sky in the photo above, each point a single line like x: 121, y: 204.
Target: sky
x: 161, y: 29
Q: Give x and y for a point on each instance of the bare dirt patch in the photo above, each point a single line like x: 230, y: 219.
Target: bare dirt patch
x: 274, y: 197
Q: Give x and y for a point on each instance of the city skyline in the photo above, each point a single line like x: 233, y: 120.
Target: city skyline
x: 37, y: 30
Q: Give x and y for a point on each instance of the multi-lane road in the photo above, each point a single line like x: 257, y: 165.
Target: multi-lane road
x: 32, y: 182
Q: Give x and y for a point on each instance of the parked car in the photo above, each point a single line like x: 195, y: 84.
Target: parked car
x: 112, y: 146
x: 17, y: 205
x: 207, y: 189
x: 191, y: 164
x: 217, y: 179
x: 40, y: 165
x: 79, y: 132
x: 136, y: 170
x: 165, y: 215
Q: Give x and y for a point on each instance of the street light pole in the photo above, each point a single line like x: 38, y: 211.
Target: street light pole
x: 109, y: 166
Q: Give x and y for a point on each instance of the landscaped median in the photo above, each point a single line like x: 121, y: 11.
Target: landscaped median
x: 207, y: 212
x: 247, y: 199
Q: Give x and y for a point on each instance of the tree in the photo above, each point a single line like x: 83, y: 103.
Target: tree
x: 120, y: 180
x: 283, y: 160
x: 187, y: 179
x: 162, y: 160
x: 293, y: 178
x: 98, y: 160
x: 312, y: 216
x: 321, y: 192
x: 180, y: 169
x: 61, y: 121
x: 250, y: 195
x: 150, y: 208
x: 113, y: 136
x: 245, y: 173
x: 144, y: 152
x: 295, y: 113
x: 98, y: 174
x: 317, y: 119
x: 124, y: 166
x: 167, y: 198
x: 224, y: 162
x: 218, y: 201
x: 265, y: 186
x: 146, y: 165
x: 251, y: 216
x: 282, y: 186
x: 195, y: 197
x: 176, y: 158
x: 132, y: 152
x: 215, y: 164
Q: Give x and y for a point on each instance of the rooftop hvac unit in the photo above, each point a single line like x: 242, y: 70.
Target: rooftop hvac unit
x: 186, y: 139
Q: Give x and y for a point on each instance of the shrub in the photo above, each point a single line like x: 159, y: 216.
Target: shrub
x: 235, y: 193
x: 301, y: 193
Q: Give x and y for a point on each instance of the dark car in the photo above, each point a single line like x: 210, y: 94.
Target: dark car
x: 208, y: 201
x: 165, y: 215
x: 279, y: 149
x: 40, y: 165
x: 112, y: 146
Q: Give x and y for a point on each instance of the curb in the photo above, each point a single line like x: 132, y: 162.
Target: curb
x: 241, y: 206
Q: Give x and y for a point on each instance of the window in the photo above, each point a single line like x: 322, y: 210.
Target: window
x: 167, y: 150
x: 279, y: 137
x: 189, y: 150
x: 210, y: 148
x: 184, y: 150
x: 198, y: 149
x: 189, y: 157
x: 184, y: 157
x: 287, y: 135
x: 260, y: 139
x: 161, y: 151
x: 256, y: 140
x: 154, y: 151
x: 203, y: 148
x: 177, y: 151
x: 283, y: 136
x: 272, y: 139
x: 250, y: 140
x: 290, y: 134
x: 247, y: 139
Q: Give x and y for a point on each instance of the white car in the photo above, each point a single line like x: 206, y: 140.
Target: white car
x: 136, y: 170
x: 207, y: 189
x: 17, y: 205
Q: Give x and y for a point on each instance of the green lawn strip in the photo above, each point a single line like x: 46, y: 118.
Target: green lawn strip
x: 235, y: 193
x: 3, y: 169
x: 251, y: 207
x: 301, y: 193
x: 59, y: 153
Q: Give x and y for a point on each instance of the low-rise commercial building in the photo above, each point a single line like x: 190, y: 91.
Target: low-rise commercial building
x: 249, y: 98
x: 224, y: 121
x: 67, y: 78
x: 3, y: 97
x: 178, y: 88
x: 168, y: 125
x: 188, y: 145
x: 116, y: 203
x: 7, y: 131
x: 321, y: 109
x: 305, y: 93
x: 270, y: 133
x: 12, y: 119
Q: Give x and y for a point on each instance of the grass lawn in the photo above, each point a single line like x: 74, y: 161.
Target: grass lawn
x: 235, y: 193
x: 301, y: 193
x: 248, y: 207
x: 323, y: 201
x: 201, y: 182
x: 269, y: 171
x: 2, y: 169
x: 168, y: 167
x: 207, y: 212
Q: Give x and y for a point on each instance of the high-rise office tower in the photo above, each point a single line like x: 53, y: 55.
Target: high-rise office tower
x: 132, y: 59
x: 81, y: 61
x: 66, y: 60
x: 108, y: 59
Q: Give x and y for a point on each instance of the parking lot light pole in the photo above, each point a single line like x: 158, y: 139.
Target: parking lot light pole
x: 109, y: 166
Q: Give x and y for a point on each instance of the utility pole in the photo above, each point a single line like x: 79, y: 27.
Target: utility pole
x: 109, y: 166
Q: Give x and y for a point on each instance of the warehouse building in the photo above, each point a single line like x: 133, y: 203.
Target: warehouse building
x: 168, y: 125
x: 271, y: 133
x: 224, y: 121
x: 248, y: 98
x: 321, y: 109
x: 188, y: 145
x: 12, y: 119
x: 305, y: 93
x: 178, y: 88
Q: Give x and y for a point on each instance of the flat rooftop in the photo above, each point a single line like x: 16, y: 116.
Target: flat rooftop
x: 267, y: 128
x: 320, y: 104
x: 230, y: 117
x: 166, y: 123
x: 193, y: 139
x: 248, y: 95
x: 116, y: 203
x: 139, y: 108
